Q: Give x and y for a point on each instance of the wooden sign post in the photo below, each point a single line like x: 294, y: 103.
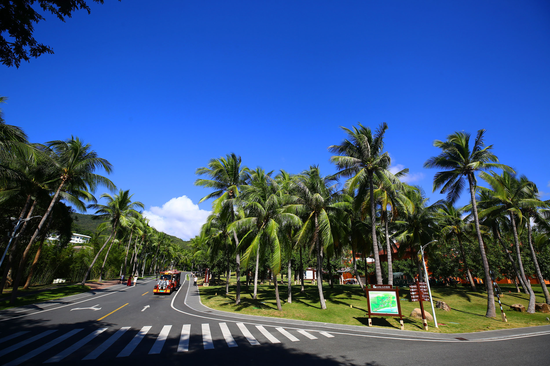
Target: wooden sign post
x: 384, y: 301
x: 419, y: 292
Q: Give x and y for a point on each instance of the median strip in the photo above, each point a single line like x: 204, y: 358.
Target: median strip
x: 103, y: 317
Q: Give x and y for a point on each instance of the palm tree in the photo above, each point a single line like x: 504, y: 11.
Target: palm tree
x: 361, y: 158
x: 419, y: 224
x: 508, y: 196
x: 76, y: 164
x: 316, y: 199
x: 453, y: 225
x: 264, y: 222
x: 119, y: 210
x: 226, y: 178
x: 459, y: 162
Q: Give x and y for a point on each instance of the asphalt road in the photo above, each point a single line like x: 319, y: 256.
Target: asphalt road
x: 124, y: 325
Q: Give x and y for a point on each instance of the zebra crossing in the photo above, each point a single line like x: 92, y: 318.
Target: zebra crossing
x: 75, y: 344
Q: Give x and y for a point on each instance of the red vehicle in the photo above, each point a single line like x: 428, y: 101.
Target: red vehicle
x: 169, y: 281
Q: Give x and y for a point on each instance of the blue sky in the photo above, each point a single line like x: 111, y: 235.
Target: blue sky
x: 161, y: 90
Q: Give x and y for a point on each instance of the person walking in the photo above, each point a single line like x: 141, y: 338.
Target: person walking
x: 194, y: 280
x: 135, y: 279
x: 129, y: 281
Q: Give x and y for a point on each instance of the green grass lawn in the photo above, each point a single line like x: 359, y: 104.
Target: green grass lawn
x: 346, y: 304
x: 41, y: 293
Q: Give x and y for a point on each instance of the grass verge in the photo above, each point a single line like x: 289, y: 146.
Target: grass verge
x: 346, y: 304
x: 33, y: 296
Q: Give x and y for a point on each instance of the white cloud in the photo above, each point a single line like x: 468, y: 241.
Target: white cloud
x: 179, y: 217
x: 409, y: 178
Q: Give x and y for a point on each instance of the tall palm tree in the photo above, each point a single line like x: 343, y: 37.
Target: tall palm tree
x: 316, y: 199
x: 361, y: 158
x: 508, y: 195
x: 76, y: 164
x: 418, y: 225
x: 226, y: 177
x: 264, y: 221
x: 453, y: 225
x: 459, y: 162
x: 119, y: 210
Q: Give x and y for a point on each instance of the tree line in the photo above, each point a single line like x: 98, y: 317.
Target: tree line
x: 35, y: 181
x: 263, y: 221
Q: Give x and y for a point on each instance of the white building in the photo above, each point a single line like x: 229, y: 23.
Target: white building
x: 75, y: 239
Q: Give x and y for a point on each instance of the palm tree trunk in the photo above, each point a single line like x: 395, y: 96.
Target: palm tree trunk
x: 11, y: 256
x: 278, y: 299
x: 470, y: 278
x: 319, y: 265
x: 34, y: 262
x: 289, y: 285
x: 355, y: 269
x: 389, y: 250
x: 238, y: 269
x: 491, y: 310
x: 256, y: 272
x: 511, y: 259
x: 536, y: 263
x: 330, y: 279
x: 95, y: 259
x: 106, y: 255
x: 302, y: 286
x: 531, y: 306
x: 228, y: 270
x: 375, y: 249
x: 33, y: 238
x: 127, y: 250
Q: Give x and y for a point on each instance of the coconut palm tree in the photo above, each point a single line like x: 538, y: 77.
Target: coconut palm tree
x: 226, y: 177
x: 119, y: 210
x: 453, y: 225
x: 361, y: 158
x: 265, y: 222
x: 76, y: 164
x: 507, y: 196
x: 315, y: 201
x: 459, y: 162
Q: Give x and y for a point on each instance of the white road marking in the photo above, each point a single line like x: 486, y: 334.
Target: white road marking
x: 288, y: 335
x: 145, y: 308
x: 157, y: 347
x: 303, y: 332
x: 207, y: 337
x: 94, y: 308
x: 43, y: 348
x: 75, y: 346
x: 249, y: 337
x: 328, y: 335
x: 183, y: 345
x: 15, y: 335
x: 108, y: 343
x: 130, y: 347
x: 25, y: 342
x: 227, y: 335
x: 268, y: 335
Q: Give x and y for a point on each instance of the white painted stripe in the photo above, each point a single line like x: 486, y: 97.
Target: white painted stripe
x: 328, y: 335
x: 76, y: 346
x: 15, y: 335
x: 227, y: 335
x: 207, y: 337
x: 288, y: 335
x: 246, y: 333
x: 268, y: 335
x: 159, y: 343
x: 43, y: 348
x: 303, y: 332
x: 130, y: 347
x: 25, y: 342
x: 108, y: 343
x: 183, y: 345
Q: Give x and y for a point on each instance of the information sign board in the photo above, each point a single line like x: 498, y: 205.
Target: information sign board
x: 383, y: 302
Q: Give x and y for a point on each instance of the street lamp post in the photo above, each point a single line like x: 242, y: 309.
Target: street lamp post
x: 13, y: 234
x: 427, y: 279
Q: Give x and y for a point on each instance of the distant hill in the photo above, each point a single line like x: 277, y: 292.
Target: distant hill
x: 87, y: 225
